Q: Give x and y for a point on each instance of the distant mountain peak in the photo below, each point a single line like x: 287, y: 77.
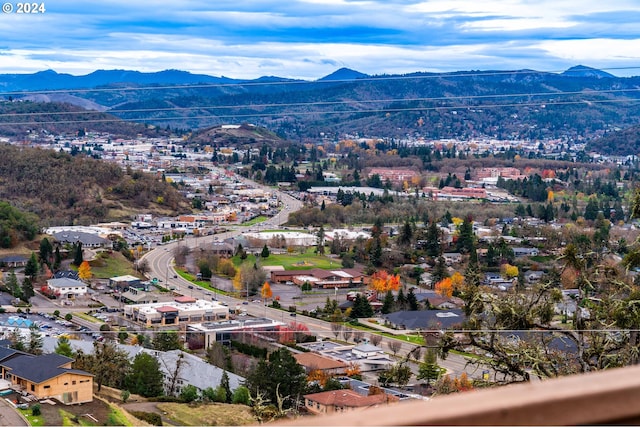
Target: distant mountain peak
x: 343, y: 74
x: 584, y: 71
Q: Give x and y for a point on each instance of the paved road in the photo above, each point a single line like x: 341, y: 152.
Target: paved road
x: 160, y: 261
x: 9, y: 415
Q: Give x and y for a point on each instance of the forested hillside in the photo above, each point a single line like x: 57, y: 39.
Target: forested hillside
x: 65, y: 189
x: 19, y: 118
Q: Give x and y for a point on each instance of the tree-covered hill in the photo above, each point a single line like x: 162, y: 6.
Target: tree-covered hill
x: 64, y: 189
x: 20, y: 118
x: 622, y: 143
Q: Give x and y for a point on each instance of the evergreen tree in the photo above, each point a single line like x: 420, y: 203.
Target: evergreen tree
x: 27, y: 289
x: 376, y: 252
x: 492, y: 255
x: 224, y: 384
x: 265, y: 251
x: 465, y: 241
x: 166, y: 341
x: 440, y: 270
x: 387, y: 305
x: 31, y: 269
x: 145, y: 377
x: 530, y: 211
x: 63, y: 347
x: 13, y: 285
x: 34, y: 345
x: 433, y: 244
x: 361, y: 307
x: 57, y: 258
x: 320, y: 240
x: 429, y: 369
x: 17, y: 343
x: 412, y: 300
x: 406, y: 234
x: 279, y: 375
x: 77, y: 257
x: 46, y: 251
x: 401, y: 300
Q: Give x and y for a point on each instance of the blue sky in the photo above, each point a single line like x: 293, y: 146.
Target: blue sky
x: 311, y: 38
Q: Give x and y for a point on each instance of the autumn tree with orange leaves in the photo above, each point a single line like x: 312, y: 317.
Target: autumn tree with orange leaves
x: 266, y: 291
x: 84, y: 271
x: 444, y: 287
x: 382, y: 282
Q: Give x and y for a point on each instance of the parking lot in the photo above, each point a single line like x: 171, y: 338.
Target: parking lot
x: 48, y: 324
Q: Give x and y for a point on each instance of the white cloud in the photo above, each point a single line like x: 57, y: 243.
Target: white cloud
x: 309, y: 38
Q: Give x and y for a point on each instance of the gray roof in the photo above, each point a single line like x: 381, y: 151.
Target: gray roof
x: 6, y: 352
x: 427, y: 319
x: 65, y: 283
x: 193, y: 370
x: 88, y: 239
x: 49, y: 345
x: 367, y: 348
x: 14, y: 258
x: 41, y: 368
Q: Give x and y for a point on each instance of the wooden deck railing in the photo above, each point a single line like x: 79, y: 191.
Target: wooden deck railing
x: 605, y: 397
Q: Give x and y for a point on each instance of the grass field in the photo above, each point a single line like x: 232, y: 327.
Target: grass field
x: 254, y: 221
x: 112, y: 264
x: 35, y: 421
x: 87, y: 317
x: 294, y: 261
x: 213, y: 414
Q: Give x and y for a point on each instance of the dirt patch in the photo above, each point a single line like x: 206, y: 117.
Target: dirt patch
x: 89, y: 412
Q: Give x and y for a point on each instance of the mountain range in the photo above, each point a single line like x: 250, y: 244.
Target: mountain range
x: 581, y: 104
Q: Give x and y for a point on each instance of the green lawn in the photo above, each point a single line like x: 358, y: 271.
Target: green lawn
x: 202, y: 283
x: 294, y: 261
x: 33, y: 420
x: 254, y: 221
x: 112, y: 264
x: 87, y: 317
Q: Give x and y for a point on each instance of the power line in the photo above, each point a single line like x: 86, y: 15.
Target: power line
x: 335, y: 103
x: 308, y: 113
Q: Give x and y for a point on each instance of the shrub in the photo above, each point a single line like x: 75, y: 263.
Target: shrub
x: 150, y: 417
x: 36, y: 410
x: 241, y: 396
x: 189, y: 394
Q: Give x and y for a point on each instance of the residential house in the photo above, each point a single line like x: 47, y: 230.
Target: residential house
x: 520, y: 252
x: 328, y: 402
x: 438, y: 301
x: 532, y: 276
x: 46, y: 376
x: 66, y: 288
x: 316, y: 362
x: 14, y: 261
x: 452, y: 257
